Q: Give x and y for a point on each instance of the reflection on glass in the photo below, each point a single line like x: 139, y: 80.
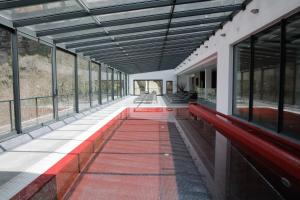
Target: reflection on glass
x: 123, y: 84
x: 41, y: 10
x: 35, y: 82
x: 83, y: 84
x: 116, y: 84
x: 95, y: 83
x: 228, y: 171
x: 291, y: 115
x: 241, y: 79
x: 155, y: 86
x: 109, y: 83
x: 6, y: 83
x: 245, y: 181
x: 65, y: 64
x: 148, y: 86
x: 104, y: 84
x: 266, y: 77
x: 139, y: 87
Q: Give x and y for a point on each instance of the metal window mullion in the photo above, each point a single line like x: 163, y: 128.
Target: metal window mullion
x: 128, y: 84
x: 90, y: 84
x: 125, y: 82
x: 107, y: 84
x: 76, y: 86
x: 113, y: 84
x: 100, y: 85
x: 16, y: 82
x: 54, y: 84
x: 251, y: 81
x: 282, y: 75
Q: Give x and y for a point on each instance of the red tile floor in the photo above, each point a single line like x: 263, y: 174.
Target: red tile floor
x: 144, y: 159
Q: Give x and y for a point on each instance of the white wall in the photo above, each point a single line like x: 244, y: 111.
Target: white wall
x: 165, y: 75
x: 243, y: 24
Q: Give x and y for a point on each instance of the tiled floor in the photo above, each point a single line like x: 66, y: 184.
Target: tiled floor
x: 144, y: 159
x: 22, y: 164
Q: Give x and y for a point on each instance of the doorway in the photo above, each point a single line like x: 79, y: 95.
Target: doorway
x: 169, y: 87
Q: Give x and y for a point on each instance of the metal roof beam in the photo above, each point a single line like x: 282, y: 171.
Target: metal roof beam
x: 135, y: 37
x: 139, y: 59
x: 146, y: 60
x: 141, y: 56
x: 132, y: 30
x: 108, y: 24
x: 11, y: 4
x: 120, y: 56
x: 193, y: 46
x: 181, y: 34
x: 142, y: 47
x: 98, y: 11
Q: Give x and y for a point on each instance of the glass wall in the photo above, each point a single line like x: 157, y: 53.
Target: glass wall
x: 147, y: 86
x: 35, y: 70
x: 266, y: 77
x: 139, y: 87
x: 116, y: 84
x: 241, y: 79
x: 109, y: 83
x: 37, y: 103
x: 155, y: 86
x: 122, y: 84
x: 6, y: 83
x: 83, y: 84
x: 291, y: 110
x: 95, y: 83
x: 264, y: 64
x: 126, y: 84
x: 104, y: 84
x: 65, y: 63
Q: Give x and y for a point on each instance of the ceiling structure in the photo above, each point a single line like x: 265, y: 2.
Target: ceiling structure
x: 133, y: 36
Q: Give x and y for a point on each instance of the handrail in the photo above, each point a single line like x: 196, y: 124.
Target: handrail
x: 260, y: 132
x: 8, y: 127
x: 264, y: 151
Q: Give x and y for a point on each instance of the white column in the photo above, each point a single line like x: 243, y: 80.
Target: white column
x: 224, y: 79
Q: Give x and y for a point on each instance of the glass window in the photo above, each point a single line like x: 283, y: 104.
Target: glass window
x: 155, y: 86
x: 126, y: 84
x: 39, y: 10
x: 104, y: 84
x: 147, y: 86
x: 109, y: 83
x: 95, y: 83
x: 241, y: 79
x: 291, y: 114
x: 6, y: 83
x: 139, y: 87
x: 117, y: 84
x: 123, y: 84
x: 35, y: 82
x: 65, y: 64
x: 266, y: 77
x: 83, y: 84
